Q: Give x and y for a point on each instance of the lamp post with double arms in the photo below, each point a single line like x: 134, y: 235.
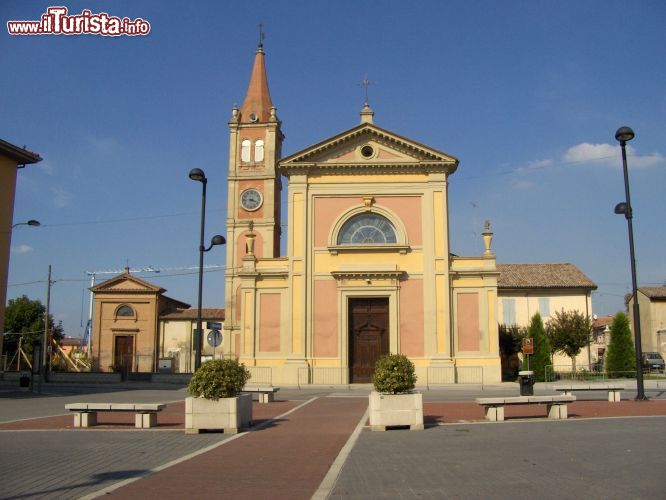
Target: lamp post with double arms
x: 196, y: 174
x: 623, y: 135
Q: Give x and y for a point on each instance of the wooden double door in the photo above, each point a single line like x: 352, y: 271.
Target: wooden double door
x: 368, y: 336
x: 123, y: 355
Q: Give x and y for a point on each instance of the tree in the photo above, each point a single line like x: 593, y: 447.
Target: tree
x: 540, y: 359
x: 569, y: 332
x: 26, y: 316
x: 510, y: 338
x: 621, y: 355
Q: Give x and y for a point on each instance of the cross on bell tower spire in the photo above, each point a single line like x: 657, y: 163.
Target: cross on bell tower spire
x: 262, y: 35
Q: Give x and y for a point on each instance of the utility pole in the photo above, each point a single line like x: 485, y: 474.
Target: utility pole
x: 45, y: 340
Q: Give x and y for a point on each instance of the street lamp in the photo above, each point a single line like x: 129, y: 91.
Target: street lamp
x: 31, y: 222
x: 623, y: 135
x: 196, y: 174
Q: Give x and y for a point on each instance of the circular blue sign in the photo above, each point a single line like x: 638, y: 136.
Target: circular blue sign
x: 214, y: 338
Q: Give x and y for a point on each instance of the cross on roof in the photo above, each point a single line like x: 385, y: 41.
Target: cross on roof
x: 366, y: 83
x: 262, y: 34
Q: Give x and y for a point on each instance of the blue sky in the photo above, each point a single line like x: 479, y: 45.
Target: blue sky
x: 527, y: 94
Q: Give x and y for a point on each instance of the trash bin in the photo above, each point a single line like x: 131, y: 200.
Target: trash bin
x: 24, y: 380
x: 526, y: 383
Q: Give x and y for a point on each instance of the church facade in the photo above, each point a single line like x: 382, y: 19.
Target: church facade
x: 368, y: 268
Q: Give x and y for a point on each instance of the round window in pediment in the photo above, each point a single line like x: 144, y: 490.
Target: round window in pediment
x: 367, y: 151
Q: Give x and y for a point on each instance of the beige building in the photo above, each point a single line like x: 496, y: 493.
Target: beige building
x: 525, y: 289
x: 368, y: 268
x: 136, y: 328
x: 11, y: 159
x: 652, y: 309
x: 175, y: 347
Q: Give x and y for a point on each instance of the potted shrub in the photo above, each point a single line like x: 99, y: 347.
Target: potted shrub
x: 216, y: 402
x: 394, y: 401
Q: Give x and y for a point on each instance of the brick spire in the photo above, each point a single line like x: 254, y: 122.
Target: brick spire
x: 257, y: 98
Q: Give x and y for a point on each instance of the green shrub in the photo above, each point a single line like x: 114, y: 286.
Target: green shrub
x: 621, y: 356
x: 541, y: 357
x: 394, y: 374
x: 220, y: 378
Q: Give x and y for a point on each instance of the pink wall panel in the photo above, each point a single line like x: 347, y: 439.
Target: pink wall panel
x: 408, y: 209
x: 325, y: 318
x: 269, y: 322
x: 468, y: 322
x: 326, y: 212
x: 411, y: 317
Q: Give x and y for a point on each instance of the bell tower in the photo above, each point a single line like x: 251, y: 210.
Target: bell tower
x: 255, y: 146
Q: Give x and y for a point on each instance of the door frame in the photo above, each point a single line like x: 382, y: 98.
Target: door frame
x: 385, y: 301
x: 132, y: 339
x: 349, y: 292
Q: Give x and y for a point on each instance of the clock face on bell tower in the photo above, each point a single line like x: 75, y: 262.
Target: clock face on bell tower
x: 251, y: 199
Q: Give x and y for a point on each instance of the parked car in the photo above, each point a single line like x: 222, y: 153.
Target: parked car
x: 653, y: 362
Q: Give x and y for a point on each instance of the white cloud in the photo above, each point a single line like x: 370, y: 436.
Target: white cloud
x: 102, y: 143
x: 524, y: 185
x: 645, y: 160
x: 61, y: 197
x: 46, y: 167
x: 539, y: 164
x: 21, y: 249
x: 609, y: 154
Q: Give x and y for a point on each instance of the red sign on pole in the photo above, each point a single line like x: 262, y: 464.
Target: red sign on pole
x: 528, y: 345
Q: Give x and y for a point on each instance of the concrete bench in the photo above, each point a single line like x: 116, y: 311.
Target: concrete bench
x: 265, y: 394
x: 614, y: 390
x: 145, y: 413
x: 557, y: 405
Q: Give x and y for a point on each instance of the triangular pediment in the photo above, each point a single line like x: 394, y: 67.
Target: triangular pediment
x: 127, y: 283
x: 368, y: 145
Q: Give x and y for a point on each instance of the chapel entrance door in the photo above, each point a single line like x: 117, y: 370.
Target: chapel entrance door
x: 368, y: 336
x: 123, y: 354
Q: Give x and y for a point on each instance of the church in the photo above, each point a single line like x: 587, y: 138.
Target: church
x: 368, y: 269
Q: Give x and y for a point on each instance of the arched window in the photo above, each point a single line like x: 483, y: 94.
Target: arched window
x: 259, y: 150
x: 367, y: 229
x: 125, y: 311
x: 245, y: 149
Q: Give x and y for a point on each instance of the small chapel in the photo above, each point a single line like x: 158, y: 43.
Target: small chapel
x: 368, y: 269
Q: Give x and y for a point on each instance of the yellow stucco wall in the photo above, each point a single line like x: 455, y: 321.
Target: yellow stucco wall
x: 653, y: 323
x: 7, y: 190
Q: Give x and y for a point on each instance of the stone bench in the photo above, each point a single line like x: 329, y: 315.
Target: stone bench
x: 557, y: 405
x: 145, y: 413
x: 614, y: 390
x: 266, y: 394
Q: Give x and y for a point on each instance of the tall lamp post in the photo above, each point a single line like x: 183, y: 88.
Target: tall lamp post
x: 623, y: 135
x: 196, y: 174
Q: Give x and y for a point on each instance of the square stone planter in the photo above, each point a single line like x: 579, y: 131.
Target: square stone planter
x: 230, y: 415
x: 393, y: 410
